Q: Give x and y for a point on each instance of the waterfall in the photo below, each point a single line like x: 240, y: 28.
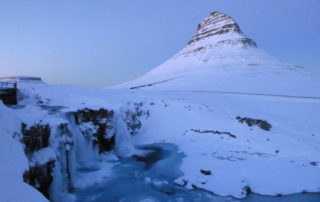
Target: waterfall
x: 80, y: 146
x: 124, y: 146
x: 86, y: 154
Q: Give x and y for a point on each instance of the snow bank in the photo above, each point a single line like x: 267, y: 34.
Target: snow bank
x: 13, y: 162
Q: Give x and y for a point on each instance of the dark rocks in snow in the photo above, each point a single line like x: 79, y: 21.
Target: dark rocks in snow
x: 247, y: 189
x: 40, y: 100
x: 164, y: 103
x: 185, y: 182
x: 105, y: 143
x: 40, y: 177
x: 150, y: 84
x: 264, y: 125
x: 132, y: 117
x: 91, y: 115
x: 244, y: 42
x: 314, y: 163
x: 103, y: 131
x: 206, y: 172
x: 36, y: 137
x: 214, y: 132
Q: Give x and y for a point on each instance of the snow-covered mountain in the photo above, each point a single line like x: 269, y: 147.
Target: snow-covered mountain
x: 219, y: 57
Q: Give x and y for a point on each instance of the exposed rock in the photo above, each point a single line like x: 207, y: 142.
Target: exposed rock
x: 247, y: 189
x: 314, y: 163
x: 206, y: 172
x: 102, y: 131
x: 214, y: 132
x: 150, y: 84
x: 132, y: 117
x: 91, y: 115
x: 40, y: 177
x: 220, y: 24
x: 264, y: 125
x: 36, y: 137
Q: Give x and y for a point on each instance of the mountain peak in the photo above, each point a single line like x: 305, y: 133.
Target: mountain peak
x: 218, y: 57
x: 222, y: 27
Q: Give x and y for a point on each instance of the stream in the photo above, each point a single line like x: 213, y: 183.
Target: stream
x: 150, y: 177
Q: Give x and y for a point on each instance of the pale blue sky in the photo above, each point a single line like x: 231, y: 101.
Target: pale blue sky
x: 105, y: 42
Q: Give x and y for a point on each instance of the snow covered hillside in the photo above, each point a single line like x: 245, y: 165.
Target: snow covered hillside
x: 220, y: 57
x: 220, y: 121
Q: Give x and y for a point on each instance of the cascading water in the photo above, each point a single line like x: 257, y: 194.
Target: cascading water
x: 124, y: 146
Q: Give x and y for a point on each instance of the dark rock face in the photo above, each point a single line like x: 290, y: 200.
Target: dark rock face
x: 91, y: 115
x: 36, y: 137
x: 132, y: 118
x: 40, y: 177
x: 206, y: 172
x: 103, y: 132
x: 247, y: 189
x: 264, y: 125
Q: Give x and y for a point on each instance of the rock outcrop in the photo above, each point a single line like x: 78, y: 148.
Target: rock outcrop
x: 222, y: 30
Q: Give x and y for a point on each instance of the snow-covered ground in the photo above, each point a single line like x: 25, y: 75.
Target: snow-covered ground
x: 13, y: 161
x: 221, y: 154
